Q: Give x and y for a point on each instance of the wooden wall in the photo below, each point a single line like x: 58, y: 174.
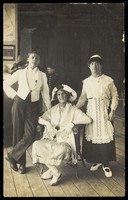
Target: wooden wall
x: 66, y: 40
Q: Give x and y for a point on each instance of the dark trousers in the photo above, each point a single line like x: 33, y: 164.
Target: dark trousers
x: 25, y: 118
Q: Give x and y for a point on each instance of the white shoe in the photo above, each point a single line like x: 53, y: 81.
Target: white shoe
x: 95, y: 166
x: 47, y: 174
x: 55, y: 178
x: 107, y: 171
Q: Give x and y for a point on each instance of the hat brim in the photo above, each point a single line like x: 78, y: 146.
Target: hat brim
x: 95, y: 59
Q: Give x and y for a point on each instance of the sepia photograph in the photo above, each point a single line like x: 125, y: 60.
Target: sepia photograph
x: 64, y: 100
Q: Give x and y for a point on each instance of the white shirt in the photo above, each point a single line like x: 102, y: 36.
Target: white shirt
x: 99, y: 87
x: 28, y: 81
x: 100, y: 93
x: 32, y: 77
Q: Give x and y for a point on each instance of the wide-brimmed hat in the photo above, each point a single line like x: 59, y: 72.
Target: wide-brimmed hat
x: 67, y: 89
x: 95, y: 58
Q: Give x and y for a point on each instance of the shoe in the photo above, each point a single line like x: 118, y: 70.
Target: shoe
x: 10, y: 159
x: 95, y: 166
x: 107, y: 171
x: 55, y: 178
x: 22, y: 169
x: 47, y: 174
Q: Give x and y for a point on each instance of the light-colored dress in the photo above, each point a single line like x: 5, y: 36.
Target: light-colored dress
x: 54, y: 150
x: 100, y: 94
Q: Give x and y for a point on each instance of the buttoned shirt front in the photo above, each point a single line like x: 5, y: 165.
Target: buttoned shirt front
x: 33, y: 79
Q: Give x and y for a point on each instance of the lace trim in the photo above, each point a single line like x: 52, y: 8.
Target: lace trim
x: 100, y: 141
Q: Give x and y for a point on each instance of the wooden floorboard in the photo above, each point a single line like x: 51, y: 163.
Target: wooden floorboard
x: 89, y: 184
x: 36, y: 184
x: 97, y: 188
x: 120, y: 146
x: 21, y: 184
x: 53, y: 191
x: 81, y: 184
x: 116, y: 187
x: 9, y: 184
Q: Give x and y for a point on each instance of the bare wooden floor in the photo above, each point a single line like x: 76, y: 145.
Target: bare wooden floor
x: 89, y: 184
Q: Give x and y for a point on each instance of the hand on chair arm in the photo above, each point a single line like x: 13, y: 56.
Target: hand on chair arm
x: 49, y: 128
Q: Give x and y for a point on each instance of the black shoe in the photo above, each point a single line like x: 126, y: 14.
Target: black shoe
x: 10, y: 159
x: 22, y: 169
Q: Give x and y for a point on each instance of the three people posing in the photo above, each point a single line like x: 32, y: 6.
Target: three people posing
x: 57, y: 144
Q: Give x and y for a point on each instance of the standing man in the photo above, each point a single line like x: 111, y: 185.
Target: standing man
x: 32, y: 83
x: 102, y: 100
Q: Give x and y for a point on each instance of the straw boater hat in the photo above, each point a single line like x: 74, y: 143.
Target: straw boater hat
x: 95, y: 58
x: 67, y: 89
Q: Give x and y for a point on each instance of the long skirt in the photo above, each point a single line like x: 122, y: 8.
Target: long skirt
x: 51, y: 152
x: 99, y: 153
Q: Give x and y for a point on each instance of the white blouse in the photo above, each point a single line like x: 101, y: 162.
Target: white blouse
x: 100, y: 93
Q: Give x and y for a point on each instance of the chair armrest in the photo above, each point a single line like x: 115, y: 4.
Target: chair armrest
x: 77, y: 128
x: 39, y: 131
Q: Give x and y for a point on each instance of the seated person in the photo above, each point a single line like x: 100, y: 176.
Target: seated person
x: 58, y: 143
